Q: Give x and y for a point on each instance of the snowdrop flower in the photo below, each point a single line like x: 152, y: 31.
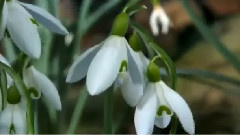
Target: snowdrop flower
x: 102, y: 63
x: 20, y: 19
x: 13, y: 117
x: 159, y: 15
x: 158, y: 104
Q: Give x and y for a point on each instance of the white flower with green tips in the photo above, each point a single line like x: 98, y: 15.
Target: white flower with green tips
x: 158, y: 104
x: 13, y: 117
x: 20, y: 20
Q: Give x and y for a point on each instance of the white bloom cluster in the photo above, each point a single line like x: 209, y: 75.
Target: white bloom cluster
x: 19, y: 21
x: 114, y: 62
x: 13, y: 117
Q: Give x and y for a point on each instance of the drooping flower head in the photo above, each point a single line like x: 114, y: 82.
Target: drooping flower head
x: 158, y: 104
x: 20, y: 21
x: 102, y: 64
x: 159, y: 15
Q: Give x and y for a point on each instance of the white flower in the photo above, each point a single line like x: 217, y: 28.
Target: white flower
x: 101, y: 65
x: 19, y: 18
x: 159, y: 15
x: 156, y: 107
x: 36, y: 79
x: 13, y: 117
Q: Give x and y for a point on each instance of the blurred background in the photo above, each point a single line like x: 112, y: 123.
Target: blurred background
x: 215, y: 102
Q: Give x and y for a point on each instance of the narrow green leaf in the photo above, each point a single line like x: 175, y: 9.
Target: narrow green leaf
x: 198, y: 73
x: 78, y: 112
x: 208, y: 35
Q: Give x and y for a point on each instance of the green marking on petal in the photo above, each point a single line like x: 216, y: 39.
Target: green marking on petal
x: 124, y: 66
x: 163, y: 108
x: 34, y: 21
x: 13, y: 95
x: 12, y: 129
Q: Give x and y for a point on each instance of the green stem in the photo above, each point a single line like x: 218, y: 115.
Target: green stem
x: 78, y: 111
x: 174, y: 124
x: 208, y: 35
x: 3, y: 89
x: 108, y: 111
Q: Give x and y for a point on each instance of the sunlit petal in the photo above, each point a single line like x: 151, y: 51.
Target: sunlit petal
x: 105, y: 66
x: 180, y: 107
x: 146, y: 111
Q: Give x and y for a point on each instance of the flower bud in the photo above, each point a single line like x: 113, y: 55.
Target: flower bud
x: 153, y: 72
x: 13, y: 95
x: 120, y: 25
x: 135, y: 42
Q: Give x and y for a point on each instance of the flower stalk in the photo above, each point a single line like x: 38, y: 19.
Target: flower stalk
x: 108, y: 111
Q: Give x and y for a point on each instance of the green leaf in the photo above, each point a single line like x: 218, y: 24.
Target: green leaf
x: 78, y: 111
x: 3, y: 87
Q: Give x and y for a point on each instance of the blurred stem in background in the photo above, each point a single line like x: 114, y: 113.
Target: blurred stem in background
x: 108, y: 111
x: 208, y: 35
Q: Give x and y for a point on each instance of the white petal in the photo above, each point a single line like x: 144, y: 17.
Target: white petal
x: 146, y: 111
x: 135, y: 70
x: 105, y: 66
x: 42, y: 83
x: 131, y: 92
x: 163, y: 18
x: 19, y: 119
x: 22, y: 31
x: 80, y: 67
x: 163, y: 121
x: 4, y: 20
x: 180, y: 107
x: 153, y: 21
x: 5, y: 120
x: 46, y: 19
